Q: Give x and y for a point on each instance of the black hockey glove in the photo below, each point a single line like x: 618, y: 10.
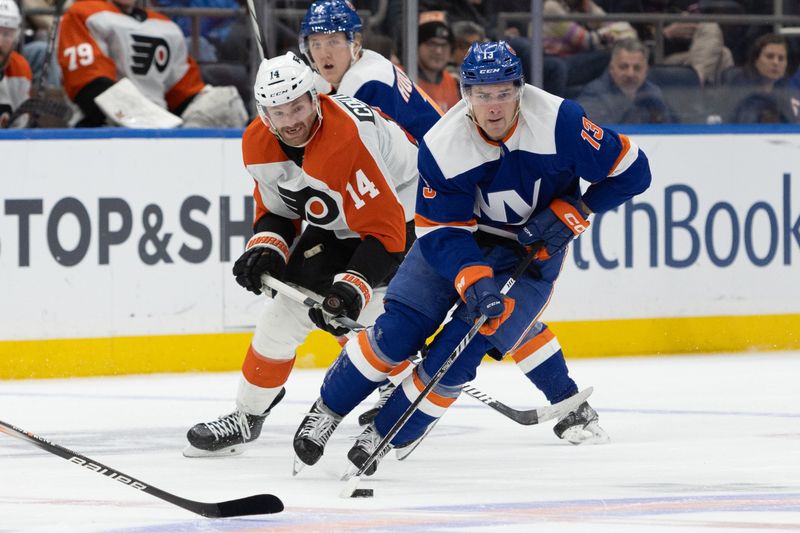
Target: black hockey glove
x: 266, y: 253
x: 555, y: 226
x: 347, y: 297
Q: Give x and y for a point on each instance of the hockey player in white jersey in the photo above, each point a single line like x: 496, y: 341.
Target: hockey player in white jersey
x: 15, y: 73
x: 336, y: 164
x: 330, y: 38
x: 504, y: 140
x: 128, y: 66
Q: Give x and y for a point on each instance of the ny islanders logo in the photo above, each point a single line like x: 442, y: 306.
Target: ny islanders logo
x: 148, y: 51
x: 507, y: 206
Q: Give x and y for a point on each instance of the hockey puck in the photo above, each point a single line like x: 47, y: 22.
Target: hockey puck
x: 363, y: 493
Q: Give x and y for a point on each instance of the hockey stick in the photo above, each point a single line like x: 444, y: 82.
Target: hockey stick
x: 251, y: 9
x: 528, y: 417
x: 352, y: 482
x: 251, y: 505
x: 38, y: 105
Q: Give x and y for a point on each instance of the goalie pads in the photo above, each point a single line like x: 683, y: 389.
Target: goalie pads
x: 216, y: 107
x: 124, y: 105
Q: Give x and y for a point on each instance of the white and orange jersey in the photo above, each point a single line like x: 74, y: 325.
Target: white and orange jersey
x: 98, y: 40
x: 358, y: 177
x: 15, y: 85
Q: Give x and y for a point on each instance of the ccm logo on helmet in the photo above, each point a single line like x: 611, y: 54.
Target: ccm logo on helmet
x: 488, y: 70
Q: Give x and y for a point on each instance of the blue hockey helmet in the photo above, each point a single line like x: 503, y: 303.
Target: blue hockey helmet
x: 329, y: 16
x: 492, y: 62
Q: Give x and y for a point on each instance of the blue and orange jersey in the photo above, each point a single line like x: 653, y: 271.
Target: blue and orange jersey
x: 468, y: 182
x: 375, y: 80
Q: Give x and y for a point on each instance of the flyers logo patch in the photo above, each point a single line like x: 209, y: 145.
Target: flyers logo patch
x: 148, y: 51
x: 313, y: 205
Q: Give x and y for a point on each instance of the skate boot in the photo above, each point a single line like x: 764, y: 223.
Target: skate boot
x: 227, y: 435
x: 312, y: 435
x: 365, y: 445
x: 581, y: 427
x: 368, y: 416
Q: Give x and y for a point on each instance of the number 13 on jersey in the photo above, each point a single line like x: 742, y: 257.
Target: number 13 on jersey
x: 592, y: 133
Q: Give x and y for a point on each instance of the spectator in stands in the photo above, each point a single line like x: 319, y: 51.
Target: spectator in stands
x: 383, y: 44
x: 699, y: 45
x: 761, y: 91
x: 585, y: 48
x: 434, y: 52
x: 131, y: 65
x: 35, y: 51
x: 622, y: 95
x: 15, y: 73
x: 465, y: 32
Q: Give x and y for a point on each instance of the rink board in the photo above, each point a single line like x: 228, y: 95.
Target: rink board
x: 116, y: 249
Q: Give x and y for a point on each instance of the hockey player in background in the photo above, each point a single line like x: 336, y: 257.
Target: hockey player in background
x: 128, y: 66
x: 15, y: 73
x: 351, y: 176
x: 499, y: 172
x: 330, y: 38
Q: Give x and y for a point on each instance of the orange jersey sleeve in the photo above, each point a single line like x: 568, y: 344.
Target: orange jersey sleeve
x: 18, y: 67
x: 80, y: 57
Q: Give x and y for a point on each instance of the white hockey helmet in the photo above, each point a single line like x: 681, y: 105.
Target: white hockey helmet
x: 9, y: 15
x: 281, y: 80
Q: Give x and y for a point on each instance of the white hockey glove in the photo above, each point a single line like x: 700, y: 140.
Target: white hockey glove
x: 124, y: 105
x: 216, y: 107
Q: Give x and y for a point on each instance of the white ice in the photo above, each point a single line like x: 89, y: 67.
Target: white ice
x: 699, y: 443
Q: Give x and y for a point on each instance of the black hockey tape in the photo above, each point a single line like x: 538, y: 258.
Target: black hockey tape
x: 363, y: 493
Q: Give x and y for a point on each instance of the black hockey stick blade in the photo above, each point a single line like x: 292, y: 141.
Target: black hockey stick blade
x: 251, y: 505
x: 537, y: 415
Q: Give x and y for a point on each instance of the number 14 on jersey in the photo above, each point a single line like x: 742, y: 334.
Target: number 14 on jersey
x: 365, y: 188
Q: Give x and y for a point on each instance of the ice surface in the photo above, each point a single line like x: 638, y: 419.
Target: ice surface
x: 700, y: 443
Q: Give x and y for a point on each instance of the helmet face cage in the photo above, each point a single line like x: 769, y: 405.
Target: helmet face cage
x: 329, y: 16
x: 282, y: 80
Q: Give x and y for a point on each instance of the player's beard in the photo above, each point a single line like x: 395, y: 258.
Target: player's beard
x: 295, y: 135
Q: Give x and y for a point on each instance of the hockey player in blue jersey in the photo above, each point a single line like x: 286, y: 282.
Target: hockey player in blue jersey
x: 499, y: 172
x: 330, y: 38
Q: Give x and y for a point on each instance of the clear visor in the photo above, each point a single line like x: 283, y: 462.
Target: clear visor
x: 480, y: 95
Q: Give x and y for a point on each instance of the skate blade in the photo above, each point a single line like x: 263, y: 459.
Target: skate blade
x: 351, y: 471
x: 591, y: 434
x: 297, y: 466
x: 192, y: 452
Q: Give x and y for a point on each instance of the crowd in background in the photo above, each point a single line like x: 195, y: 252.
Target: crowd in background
x: 708, y: 73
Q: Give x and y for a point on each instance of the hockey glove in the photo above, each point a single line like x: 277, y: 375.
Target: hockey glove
x: 477, y: 288
x: 348, y: 296
x: 555, y: 226
x: 266, y: 253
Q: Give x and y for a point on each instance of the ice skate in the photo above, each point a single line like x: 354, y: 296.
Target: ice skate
x: 403, y: 451
x: 581, y: 427
x: 228, y: 435
x: 365, y: 445
x: 368, y: 416
x: 312, y: 435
